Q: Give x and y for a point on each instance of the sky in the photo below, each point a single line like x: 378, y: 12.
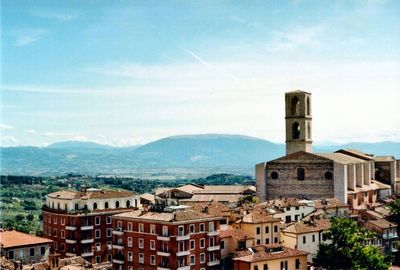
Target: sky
x: 130, y: 72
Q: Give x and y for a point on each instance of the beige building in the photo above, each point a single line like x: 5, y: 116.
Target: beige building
x: 306, y: 235
x: 263, y: 227
x: 270, y: 257
x: 347, y: 175
x: 23, y: 247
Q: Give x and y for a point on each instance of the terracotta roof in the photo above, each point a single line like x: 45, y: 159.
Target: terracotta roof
x: 224, y: 189
x: 96, y: 194
x: 213, y: 208
x: 148, y: 197
x: 382, y: 223
x: 307, y: 227
x: 262, y: 254
x: 330, y: 203
x: 301, y: 156
x: 183, y: 215
x: 9, y: 239
x: 235, y: 233
x: 213, y: 197
x: 356, y: 153
x: 340, y: 158
x: 282, y: 203
x: 256, y: 216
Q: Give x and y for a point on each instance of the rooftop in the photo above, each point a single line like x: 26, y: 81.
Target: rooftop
x: 212, y: 208
x: 9, y: 239
x: 235, y: 233
x: 266, y: 253
x: 257, y: 216
x: 382, y: 223
x: 330, y: 203
x: 90, y: 194
x: 301, y: 227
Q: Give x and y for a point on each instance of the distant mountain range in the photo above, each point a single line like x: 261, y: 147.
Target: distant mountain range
x: 212, y: 151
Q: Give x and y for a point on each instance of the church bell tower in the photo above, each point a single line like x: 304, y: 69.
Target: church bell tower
x: 298, y: 121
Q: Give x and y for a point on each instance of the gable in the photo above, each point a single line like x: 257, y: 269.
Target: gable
x: 300, y: 156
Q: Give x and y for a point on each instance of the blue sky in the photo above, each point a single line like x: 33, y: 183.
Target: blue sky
x: 129, y: 72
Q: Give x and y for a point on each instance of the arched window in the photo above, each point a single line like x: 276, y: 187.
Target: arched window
x: 296, y: 131
x: 65, y: 206
x: 76, y: 206
x: 274, y: 175
x: 128, y: 203
x: 308, y: 106
x: 308, y: 130
x: 106, y: 205
x: 94, y: 206
x: 300, y: 174
x: 117, y: 204
x: 295, y: 106
x: 58, y: 206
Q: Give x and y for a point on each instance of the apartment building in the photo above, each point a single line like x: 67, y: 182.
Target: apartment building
x: 79, y: 222
x: 166, y: 238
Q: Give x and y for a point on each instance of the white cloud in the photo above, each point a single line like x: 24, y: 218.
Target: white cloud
x: 8, y: 140
x: 4, y: 126
x: 25, y: 37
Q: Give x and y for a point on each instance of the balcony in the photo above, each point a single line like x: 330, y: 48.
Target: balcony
x: 87, y: 254
x: 117, y: 232
x: 70, y: 254
x: 212, y: 233
x: 213, y: 263
x: 389, y: 236
x: 183, y: 237
x: 118, y: 261
x: 183, y: 268
x: 213, y: 248
x: 70, y: 228
x: 70, y: 241
x: 88, y: 227
x: 87, y: 241
x: 183, y: 253
x: 163, y: 253
x: 163, y: 268
x: 163, y: 238
x: 118, y: 246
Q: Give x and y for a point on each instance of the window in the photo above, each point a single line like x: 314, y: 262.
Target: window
x: 42, y: 250
x: 108, y: 220
x: 141, y: 227
x: 284, y: 265
x: 202, y: 257
x: 141, y: 243
x: 76, y: 206
x: 297, y: 264
x: 130, y: 242
x: 258, y: 230
x: 275, y: 239
x: 255, y: 267
x: 62, y: 246
x: 181, y: 231
x: 297, y: 208
x: 202, y: 242
x: 117, y: 204
x: 266, y: 229
x: 109, y: 245
x: 55, y: 233
x: 152, y: 245
x: 109, y: 257
x: 304, y: 239
x: 266, y: 267
x: 191, y: 228
x: 288, y: 219
x: 202, y: 227
x: 274, y: 175
x: 192, y: 260
x: 130, y: 256
x: 258, y: 242
x: 295, y: 106
x: 313, y: 238
x: 98, y: 246
x: 211, y: 227
x: 152, y: 228
x: 55, y: 219
x: 98, y: 259
x: 94, y: 206
x: 128, y: 203
x: 164, y: 230
x: 153, y: 260
x: 266, y: 241
x: 55, y: 246
x: 141, y: 258
x: 31, y: 252
x: 97, y: 220
x: 98, y: 234
x: 192, y: 244
x: 62, y: 221
x: 62, y: 234
x: 11, y: 254
x: 129, y: 226
x: 300, y: 174
x: 328, y: 175
x: 275, y: 228
x: 109, y: 232
x: 295, y: 131
x: 222, y: 244
x: 106, y: 205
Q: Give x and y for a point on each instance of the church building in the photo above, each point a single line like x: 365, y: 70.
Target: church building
x: 348, y: 175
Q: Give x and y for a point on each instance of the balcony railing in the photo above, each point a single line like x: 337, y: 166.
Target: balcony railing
x: 87, y: 241
x: 118, y: 246
x: 212, y: 233
x: 87, y: 254
x: 70, y: 228
x: 183, y: 237
x: 70, y: 254
x: 163, y: 238
x: 213, y: 248
x: 163, y: 253
x: 117, y: 232
x: 87, y: 227
x: 183, y: 253
x: 118, y: 261
x: 70, y: 241
x: 184, y: 268
x: 389, y: 236
x: 213, y: 263
x: 163, y: 268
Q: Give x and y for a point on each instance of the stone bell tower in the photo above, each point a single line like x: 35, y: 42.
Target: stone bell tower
x: 298, y: 121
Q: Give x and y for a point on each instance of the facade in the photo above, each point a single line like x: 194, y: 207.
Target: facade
x: 347, y: 175
x: 385, y: 232
x: 332, y: 207
x: 306, y: 235
x: 23, y: 247
x: 80, y: 222
x: 270, y: 257
x: 174, y: 238
x: 263, y: 227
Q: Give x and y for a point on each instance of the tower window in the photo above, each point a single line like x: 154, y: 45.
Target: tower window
x: 274, y: 175
x: 308, y: 131
x: 295, y: 106
x: 300, y: 174
x: 308, y: 106
x: 328, y: 175
x: 296, y: 131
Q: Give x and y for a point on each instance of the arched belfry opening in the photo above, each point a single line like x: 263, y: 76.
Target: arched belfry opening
x: 296, y: 131
x: 308, y: 131
x: 308, y: 106
x: 295, y: 106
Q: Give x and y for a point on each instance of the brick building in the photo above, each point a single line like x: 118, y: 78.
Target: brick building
x: 169, y: 238
x: 80, y: 223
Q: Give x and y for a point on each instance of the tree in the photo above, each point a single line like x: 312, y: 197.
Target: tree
x: 19, y: 217
x: 346, y: 248
x: 30, y: 217
x: 394, y: 208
